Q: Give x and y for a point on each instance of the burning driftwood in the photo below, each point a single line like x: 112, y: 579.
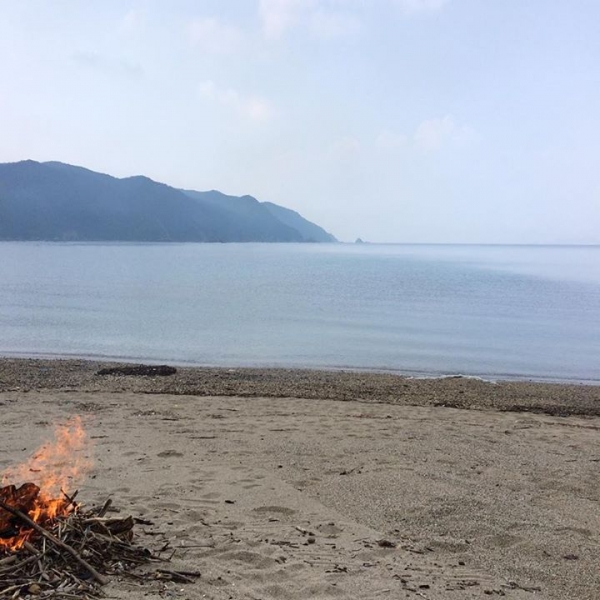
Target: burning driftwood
x: 68, y: 556
x: 49, y: 546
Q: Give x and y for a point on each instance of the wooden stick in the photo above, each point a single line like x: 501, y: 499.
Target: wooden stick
x: 178, y: 576
x: 8, y: 560
x: 17, y: 513
x: 105, y: 508
x: 12, y: 588
x: 30, y: 548
x: 14, y: 568
x: 71, y: 499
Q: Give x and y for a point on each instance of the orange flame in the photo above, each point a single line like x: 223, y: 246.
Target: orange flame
x: 55, y: 468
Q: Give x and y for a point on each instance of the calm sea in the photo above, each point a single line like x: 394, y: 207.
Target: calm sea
x: 492, y: 311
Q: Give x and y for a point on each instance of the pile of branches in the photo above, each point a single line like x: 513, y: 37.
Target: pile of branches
x: 73, y: 556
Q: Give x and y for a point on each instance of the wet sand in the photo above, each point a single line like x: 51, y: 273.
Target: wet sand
x: 299, y: 484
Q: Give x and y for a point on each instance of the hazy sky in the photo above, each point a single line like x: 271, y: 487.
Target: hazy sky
x: 392, y: 120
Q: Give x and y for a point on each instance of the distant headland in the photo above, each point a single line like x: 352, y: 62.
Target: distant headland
x: 54, y: 201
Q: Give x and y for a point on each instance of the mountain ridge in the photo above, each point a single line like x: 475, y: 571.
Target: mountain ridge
x: 55, y: 201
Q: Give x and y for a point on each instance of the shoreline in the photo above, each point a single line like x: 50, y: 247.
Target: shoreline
x: 557, y: 399
x: 405, y: 373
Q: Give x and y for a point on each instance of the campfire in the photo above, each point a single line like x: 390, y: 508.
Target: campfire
x: 50, y: 547
x: 56, y: 467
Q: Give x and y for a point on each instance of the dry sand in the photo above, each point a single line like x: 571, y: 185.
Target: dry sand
x: 274, y: 494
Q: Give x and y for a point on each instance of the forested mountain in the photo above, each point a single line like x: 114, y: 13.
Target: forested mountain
x: 55, y: 201
x: 309, y: 231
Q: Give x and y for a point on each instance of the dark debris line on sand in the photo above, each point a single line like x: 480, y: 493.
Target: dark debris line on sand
x: 456, y: 392
x: 139, y: 370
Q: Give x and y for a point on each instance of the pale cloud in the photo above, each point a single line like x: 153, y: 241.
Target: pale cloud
x: 132, y: 21
x: 345, y: 148
x: 258, y: 109
x: 389, y: 140
x: 432, y: 134
x: 328, y: 25
x: 321, y: 17
x: 278, y: 16
x: 109, y: 65
x: 329, y: 18
x: 410, y: 7
x: 250, y: 107
x: 213, y: 36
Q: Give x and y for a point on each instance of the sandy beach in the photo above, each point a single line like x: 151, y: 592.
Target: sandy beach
x: 305, y: 484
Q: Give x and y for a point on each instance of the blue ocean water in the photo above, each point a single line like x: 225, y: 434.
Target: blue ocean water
x: 498, y: 312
